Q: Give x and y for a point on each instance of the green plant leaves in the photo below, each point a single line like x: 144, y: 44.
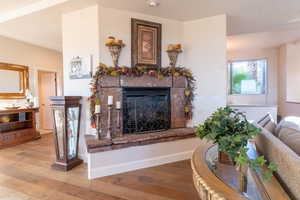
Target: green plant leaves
x: 231, y: 131
x: 272, y: 166
x: 267, y: 175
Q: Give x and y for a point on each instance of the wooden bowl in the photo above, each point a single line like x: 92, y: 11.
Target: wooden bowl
x: 12, y: 107
x: 4, y: 119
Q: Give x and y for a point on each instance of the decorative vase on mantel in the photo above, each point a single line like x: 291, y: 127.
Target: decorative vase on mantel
x: 115, y: 51
x: 173, y: 56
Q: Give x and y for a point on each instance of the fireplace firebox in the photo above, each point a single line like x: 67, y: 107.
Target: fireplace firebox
x: 146, y: 110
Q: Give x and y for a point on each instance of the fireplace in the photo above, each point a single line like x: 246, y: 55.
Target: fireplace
x: 149, y: 105
x: 146, y: 110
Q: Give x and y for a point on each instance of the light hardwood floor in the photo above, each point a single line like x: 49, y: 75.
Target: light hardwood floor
x: 25, y: 174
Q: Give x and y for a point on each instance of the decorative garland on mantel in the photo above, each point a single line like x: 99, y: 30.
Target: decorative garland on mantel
x: 159, y: 73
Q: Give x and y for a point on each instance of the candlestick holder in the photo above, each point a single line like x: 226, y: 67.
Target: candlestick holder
x: 108, y: 135
x: 118, y: 118
x: 115, y: 51
x: 98, y: 125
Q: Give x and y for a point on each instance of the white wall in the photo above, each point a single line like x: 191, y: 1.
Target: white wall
x: 204, y: 42
x: 80, y: 38
x: 257, y: 112
x: 101, y: 164
x: 271, y: 55
x: 117, y: 23
x: 293, y: 72
x: 36, y: 58
x: 285, y: 108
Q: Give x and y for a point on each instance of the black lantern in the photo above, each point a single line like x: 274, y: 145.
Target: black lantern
x: 66, y: 114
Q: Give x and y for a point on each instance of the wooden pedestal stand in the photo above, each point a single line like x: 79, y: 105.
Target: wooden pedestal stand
x: 66, y: 114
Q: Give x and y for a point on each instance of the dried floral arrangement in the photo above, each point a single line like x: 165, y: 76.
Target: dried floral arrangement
x: 159, y: 73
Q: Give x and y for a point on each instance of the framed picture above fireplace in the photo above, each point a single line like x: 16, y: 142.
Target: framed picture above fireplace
x: 145, y: 43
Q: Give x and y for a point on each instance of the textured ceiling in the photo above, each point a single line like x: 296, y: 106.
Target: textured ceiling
x: 263, y: 40
x: 244, y: 16
x: 10, y: 5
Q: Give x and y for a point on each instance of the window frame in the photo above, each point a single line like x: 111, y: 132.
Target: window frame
x: 266, y: 81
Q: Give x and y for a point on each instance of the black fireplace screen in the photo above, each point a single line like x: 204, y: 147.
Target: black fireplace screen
x: 146, y: 109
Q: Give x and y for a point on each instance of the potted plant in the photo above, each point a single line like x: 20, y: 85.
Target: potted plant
x: 231, y: 131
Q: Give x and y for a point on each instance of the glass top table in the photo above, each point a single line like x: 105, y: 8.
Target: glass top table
x: 216, y: 181
x: 230, y: 176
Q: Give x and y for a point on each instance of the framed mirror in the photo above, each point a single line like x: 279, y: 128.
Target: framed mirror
x: 13, y: 81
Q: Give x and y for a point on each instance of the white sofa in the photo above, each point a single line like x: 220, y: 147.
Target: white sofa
x: 280, y: 143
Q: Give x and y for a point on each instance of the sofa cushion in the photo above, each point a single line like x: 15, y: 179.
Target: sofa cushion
x: 268, y: 123
x: 288, y: 122
x: 291, y: 138
x: 270, y: 126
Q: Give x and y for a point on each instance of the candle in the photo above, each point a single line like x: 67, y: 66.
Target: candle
x: 36, y: 102
x: 97, y: 108
x: 110, y: 100
x: 118, y: 106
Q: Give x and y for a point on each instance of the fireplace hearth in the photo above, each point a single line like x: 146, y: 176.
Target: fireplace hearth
x: 146, y: 110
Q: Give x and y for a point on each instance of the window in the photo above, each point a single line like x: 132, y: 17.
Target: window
x: 248, y: 77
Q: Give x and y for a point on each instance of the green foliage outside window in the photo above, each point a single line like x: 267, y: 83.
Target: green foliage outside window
x: 236, y: 82
x: 248, y: 77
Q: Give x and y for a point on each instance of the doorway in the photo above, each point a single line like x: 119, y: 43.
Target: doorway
x: 47, y: 87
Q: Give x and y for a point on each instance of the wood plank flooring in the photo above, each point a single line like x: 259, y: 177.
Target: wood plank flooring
x: 25, y: 174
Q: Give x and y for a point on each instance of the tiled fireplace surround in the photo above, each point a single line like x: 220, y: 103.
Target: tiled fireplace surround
x: 113, y: 86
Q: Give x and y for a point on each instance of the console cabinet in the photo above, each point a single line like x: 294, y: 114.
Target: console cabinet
x: 17, y: 126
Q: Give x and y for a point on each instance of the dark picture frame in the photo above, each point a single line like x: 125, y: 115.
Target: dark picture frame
x: 145, y: 43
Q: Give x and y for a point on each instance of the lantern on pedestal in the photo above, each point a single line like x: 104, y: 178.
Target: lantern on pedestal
x: 66, y: 114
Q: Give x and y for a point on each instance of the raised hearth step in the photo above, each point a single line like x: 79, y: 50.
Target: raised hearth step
x: 94, y: 145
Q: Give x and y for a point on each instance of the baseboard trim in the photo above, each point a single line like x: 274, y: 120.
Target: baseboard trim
x: 134, y: 165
